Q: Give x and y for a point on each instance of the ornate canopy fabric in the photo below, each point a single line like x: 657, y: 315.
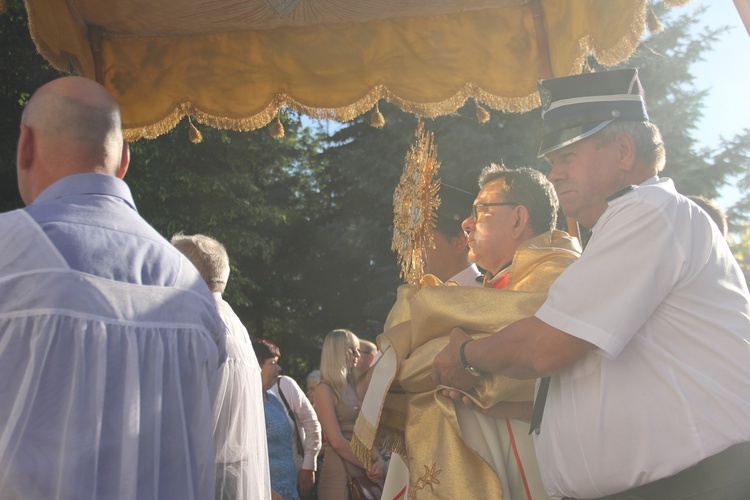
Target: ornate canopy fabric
x: 236, y: 63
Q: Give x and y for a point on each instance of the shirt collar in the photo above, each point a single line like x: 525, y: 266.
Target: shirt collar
x: 83, y: 184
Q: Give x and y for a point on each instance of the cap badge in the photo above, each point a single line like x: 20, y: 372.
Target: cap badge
x: 546, y: 96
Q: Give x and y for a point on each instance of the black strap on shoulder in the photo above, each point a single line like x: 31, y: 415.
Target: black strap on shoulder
x: 300, y: 449
x: 619, y: 193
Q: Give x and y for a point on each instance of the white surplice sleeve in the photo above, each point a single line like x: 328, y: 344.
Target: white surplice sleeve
x: 242, y: 469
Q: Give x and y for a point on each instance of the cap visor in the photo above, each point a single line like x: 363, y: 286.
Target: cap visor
x: 556, y: 140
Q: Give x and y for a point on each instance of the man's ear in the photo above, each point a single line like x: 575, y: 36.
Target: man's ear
x: 522, y: 220
x: 124, y: 160
x: 25, y: 153
x: 626, y: 151
x: 460, y: 242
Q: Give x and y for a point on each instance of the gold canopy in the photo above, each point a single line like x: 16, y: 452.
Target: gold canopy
x: 235, y: 63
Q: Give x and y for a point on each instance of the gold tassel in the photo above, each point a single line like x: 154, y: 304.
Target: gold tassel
x: 194, y: 134
x: 363, y: 453
x: 483, y: 116
x: 277, y: 129
x: 654, y: 25
x: 377, y: 120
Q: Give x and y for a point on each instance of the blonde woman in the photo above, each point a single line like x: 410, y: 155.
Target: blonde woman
x: 337, y: 406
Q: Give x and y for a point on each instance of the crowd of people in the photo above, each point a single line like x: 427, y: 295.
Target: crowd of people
x: 618, y: 371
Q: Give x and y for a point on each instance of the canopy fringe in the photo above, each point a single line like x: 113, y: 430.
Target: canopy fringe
x: 518, y: 104
x: 376, y: 119
x: 342, y: 114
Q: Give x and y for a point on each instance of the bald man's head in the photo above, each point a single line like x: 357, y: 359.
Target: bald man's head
x: 71, y: 125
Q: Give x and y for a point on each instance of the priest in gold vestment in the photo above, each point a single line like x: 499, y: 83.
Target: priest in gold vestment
x: 453, y: 451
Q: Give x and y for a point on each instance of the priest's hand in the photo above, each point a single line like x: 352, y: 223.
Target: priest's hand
x: 447, y: 368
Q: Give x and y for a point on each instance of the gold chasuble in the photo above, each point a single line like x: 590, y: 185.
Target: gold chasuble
x: 403, y: 410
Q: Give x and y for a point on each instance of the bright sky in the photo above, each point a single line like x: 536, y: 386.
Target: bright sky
x: 726, y: 74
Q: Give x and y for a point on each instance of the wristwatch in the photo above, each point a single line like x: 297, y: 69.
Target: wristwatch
x: 470, y: 369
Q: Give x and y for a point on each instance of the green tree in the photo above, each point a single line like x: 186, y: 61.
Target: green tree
x: 22, y: 70
x: 664, y: 62
x: 255, y: 194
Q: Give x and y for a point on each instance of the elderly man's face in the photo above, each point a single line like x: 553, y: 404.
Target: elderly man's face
x: 490, y: 243
x: 584, y: 175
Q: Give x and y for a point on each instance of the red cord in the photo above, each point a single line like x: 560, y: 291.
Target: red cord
x: 518, y: 460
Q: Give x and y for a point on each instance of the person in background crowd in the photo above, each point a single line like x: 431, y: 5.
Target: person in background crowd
x: 448, y: 257
x: 306, y: 428
x: 110, y: 341
x: 278, y: 432
x: 313, y: 379
x: 367, y: 352
x: 337, y: 406
x: 238, y: 421
x: 714, y: 211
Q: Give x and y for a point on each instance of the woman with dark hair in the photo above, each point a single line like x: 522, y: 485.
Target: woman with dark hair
x: 278, y: 432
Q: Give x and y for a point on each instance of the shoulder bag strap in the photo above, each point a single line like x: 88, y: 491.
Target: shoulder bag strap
x: 300, y: 449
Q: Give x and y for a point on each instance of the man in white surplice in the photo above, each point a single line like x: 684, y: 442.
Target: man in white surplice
x: 242, y: 471
x: 110, y: 341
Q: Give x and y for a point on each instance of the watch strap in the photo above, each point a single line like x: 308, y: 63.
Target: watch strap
x: 465, y: 363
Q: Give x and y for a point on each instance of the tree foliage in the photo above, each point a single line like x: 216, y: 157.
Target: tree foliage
x: 22, y: 70
x: 258, y: 196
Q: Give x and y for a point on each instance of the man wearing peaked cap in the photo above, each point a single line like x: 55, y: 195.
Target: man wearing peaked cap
x: 645, y: 340
x: 572, y: 109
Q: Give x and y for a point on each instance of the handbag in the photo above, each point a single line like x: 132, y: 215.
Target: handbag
x: 361, y: 488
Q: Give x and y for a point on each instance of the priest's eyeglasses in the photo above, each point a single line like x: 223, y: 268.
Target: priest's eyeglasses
x: 475, y: 211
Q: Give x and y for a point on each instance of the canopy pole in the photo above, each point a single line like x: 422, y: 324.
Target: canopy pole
x: 545, y: 63
x: 743, y: 7
x: 95, y: 42
x: 545, y: 72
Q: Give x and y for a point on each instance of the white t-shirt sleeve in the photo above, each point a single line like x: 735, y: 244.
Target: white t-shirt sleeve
x: 633, y: 260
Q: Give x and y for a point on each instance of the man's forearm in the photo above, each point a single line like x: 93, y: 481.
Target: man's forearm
x: 526, y: 349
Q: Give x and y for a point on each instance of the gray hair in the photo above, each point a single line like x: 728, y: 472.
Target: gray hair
x: 649, y: 145
x: 208, y: 256
x: 527, y: 187
x: 314, y: 377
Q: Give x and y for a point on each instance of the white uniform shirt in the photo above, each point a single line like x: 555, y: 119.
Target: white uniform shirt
x: 658, y: 291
